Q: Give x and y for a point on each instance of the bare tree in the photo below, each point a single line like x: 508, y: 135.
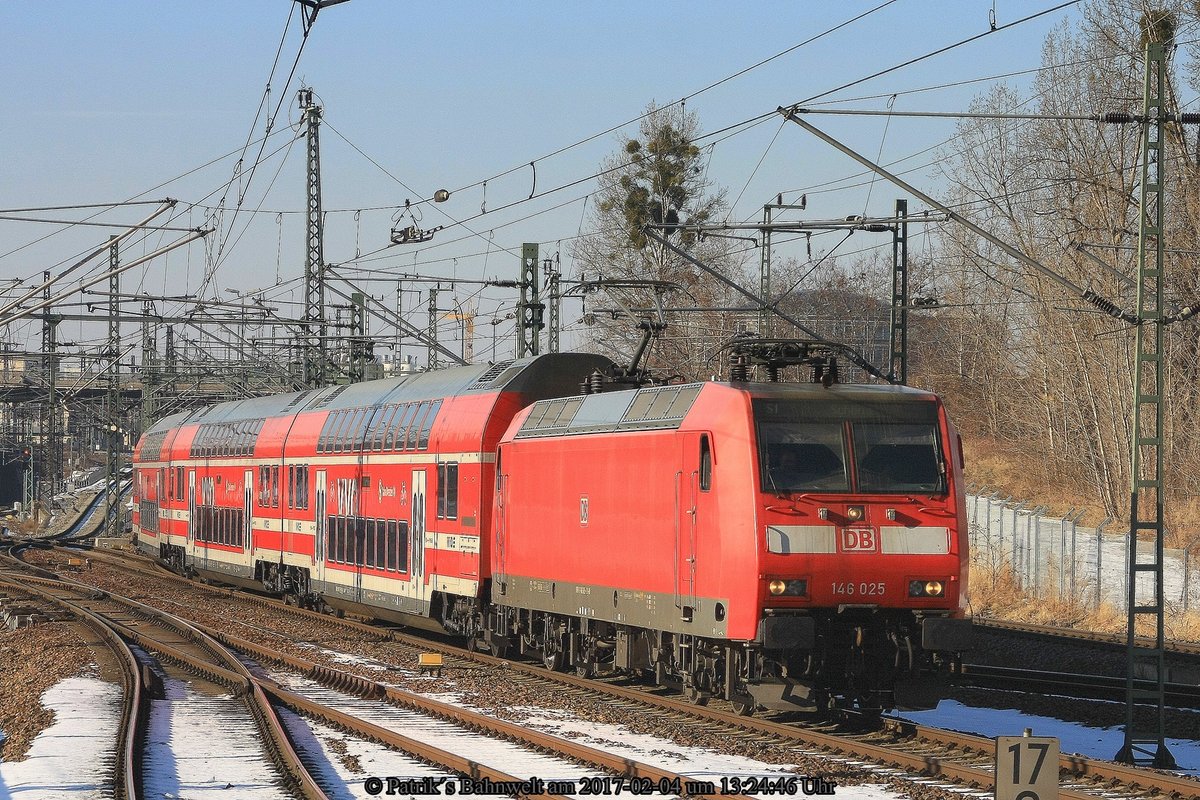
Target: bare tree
x: 658, y: 178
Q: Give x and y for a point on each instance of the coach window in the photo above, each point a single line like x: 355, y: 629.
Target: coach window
x: 360, y: 540
x: 369, y: 548
x: 345, y: 540
x: 339, y: 540
x: 427, y: 425
x: 350, y: 432
x: 390, y: 561
x: 374, y: 420
x: 342, y: 417
x: 375, y: 430
x: 275, y: 487
x: 323, y: 436
x: 304, y: 486
x: 335, y: 436
x: 374, y: 424
x: 399, y: 426
x: 380, y: 544
x: 705, y: 464
x: 358, y: 434
x: 387, y: 435
x: 402, y: 547
x: 335, y: 440
x: 414, y: 427
x: 447, y: 499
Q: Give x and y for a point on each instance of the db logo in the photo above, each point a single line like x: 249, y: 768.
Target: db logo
x: 858, y: 540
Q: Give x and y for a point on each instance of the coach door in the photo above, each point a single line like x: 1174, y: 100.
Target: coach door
x: 416, y: 556
x: 191, y: 499
x: 322, y: 521
x: 248, y: 510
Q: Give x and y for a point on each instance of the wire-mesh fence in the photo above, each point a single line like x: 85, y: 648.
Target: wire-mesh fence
x: 1058, y: 557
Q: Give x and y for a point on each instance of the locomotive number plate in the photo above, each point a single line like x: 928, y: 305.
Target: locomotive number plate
x: 860, y: 589
x: 859, y: 540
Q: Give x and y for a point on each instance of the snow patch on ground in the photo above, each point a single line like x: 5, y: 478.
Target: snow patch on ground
x: 73, y: 757
x: 1072, y: 736
x: 201, y: 746
x: 340, y: 762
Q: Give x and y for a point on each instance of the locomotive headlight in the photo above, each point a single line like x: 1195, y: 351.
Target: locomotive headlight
x: 797, y: 587
x: 855, y: 513
x: 926, y: 589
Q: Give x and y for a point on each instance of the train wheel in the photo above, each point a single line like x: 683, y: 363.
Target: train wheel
x: 498, y: 647
x: 695, y: 696
x: 552, y: 660
x: 585, y: 667
x: 744, y: 705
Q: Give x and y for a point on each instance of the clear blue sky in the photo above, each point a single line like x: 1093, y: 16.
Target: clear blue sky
x: 104, y: 101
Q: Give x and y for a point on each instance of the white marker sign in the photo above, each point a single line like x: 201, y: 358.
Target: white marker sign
x: 1026, y: 768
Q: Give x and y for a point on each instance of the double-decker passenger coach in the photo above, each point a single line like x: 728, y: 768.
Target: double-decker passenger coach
x: 372, y: 497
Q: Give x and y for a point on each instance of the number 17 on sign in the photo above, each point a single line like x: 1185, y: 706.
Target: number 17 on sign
x: 1026, y: 768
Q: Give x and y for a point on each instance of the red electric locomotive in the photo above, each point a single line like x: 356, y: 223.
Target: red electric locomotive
x: 777, y: 545
x: 773, y: 544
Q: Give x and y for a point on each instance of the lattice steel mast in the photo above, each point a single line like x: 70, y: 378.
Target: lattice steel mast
x: 898, y: 364
x: 529, y: 310
x: 313, y: 351
x: 112, y: 398
x: 1146, y: 743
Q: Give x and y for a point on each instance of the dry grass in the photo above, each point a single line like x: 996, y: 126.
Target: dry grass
x: 1008, y: 468
x: 995, y: 594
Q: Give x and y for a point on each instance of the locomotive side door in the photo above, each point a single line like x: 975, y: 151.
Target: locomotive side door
x: 416, y: 557
x: 687, y: 499
x: 500, y: 578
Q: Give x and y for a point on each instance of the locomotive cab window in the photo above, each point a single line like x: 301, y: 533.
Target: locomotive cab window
x: 705, y: 464
x: 898, y: 458
x: 804, y: 457
x: 888, y: 446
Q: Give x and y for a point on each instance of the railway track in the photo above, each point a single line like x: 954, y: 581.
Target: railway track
x: 172, y: 639
x: 1115, y: 641
x: 216, y: 657
x: 962, y: 760
x: 1095, y: 687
